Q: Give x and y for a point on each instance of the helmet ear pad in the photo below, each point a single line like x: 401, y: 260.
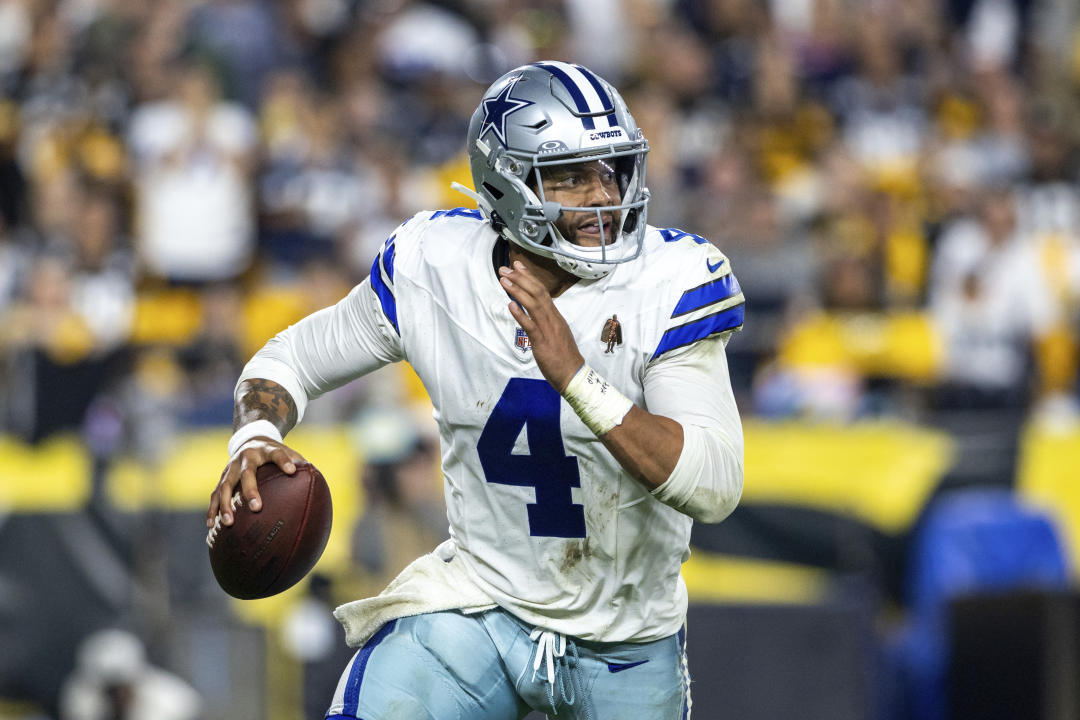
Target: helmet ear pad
x: 500, y: 182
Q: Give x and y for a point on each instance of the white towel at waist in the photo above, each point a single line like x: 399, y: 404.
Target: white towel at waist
x: 431, y: 583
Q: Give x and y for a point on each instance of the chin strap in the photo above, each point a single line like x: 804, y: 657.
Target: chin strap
x: 551, y: 210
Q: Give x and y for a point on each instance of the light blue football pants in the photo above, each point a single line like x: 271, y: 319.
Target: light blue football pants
x: 490, y: 666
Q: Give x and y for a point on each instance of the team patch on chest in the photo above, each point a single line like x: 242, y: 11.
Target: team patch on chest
x: 521, y: 341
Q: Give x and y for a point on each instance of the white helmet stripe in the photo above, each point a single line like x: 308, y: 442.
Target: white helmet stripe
x: 584, y: 89
x: 601, y: 92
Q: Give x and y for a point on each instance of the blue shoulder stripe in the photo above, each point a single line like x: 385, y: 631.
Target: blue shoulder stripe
x: 356, y: 674
x: 691, y: 332
x: 388, y: 257
x: 386, y: 296
x: 457, y: 212
x: 707, y: 294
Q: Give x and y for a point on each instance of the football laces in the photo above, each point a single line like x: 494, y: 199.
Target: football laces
x: 212, y: 533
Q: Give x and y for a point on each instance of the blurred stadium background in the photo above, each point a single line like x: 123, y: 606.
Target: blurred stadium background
x: 895, y: 181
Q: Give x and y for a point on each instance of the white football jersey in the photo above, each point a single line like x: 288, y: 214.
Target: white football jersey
x: 547, y: 522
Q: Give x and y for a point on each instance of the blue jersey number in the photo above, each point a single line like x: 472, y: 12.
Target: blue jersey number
x: 534, y: 405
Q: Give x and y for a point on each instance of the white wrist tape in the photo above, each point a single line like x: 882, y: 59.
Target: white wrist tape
x: 599, y: 405
x: 259, y: 428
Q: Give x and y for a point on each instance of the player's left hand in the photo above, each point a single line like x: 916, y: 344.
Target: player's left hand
x: 553, y: 345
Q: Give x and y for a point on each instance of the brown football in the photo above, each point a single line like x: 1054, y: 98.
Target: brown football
x: 264, y: 553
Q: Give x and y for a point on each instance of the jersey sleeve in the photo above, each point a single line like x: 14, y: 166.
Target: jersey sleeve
x: 687, y: 380
x: 335, y: 345
x: 710, y: 303
x: 693, y: 388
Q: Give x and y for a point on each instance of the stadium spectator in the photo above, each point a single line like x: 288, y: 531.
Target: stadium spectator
x: 316, y: 187
x: 246, y: 39
x: 51, y: 350
x: 103, y: 289
x: 991, y: 302
x: 193, y: 155
x: 881, y: 107
x: 211, y: 357
x: 114, y: 681
x: 14, y: 261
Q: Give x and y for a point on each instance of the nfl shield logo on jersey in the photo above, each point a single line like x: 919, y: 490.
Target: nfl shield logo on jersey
x: 521, y: 341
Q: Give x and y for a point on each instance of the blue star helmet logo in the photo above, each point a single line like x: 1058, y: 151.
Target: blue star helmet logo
x: 497, y: 109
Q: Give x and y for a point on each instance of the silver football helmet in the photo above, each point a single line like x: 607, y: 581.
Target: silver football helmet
x: 549, y: 114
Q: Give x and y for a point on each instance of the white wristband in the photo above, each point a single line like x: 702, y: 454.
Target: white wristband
x: 259, y: 428
x: 599, y: 405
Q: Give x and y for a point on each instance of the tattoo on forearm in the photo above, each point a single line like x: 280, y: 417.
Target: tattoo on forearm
x: 264, y: 400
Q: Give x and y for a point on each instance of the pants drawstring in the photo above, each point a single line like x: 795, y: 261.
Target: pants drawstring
x: 551, y: 649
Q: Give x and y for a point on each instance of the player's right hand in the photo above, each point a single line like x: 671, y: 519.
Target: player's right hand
x: 553, y: 345
x: 241, y: 469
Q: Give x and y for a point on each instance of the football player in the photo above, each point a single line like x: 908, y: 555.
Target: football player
x: 574, y: 466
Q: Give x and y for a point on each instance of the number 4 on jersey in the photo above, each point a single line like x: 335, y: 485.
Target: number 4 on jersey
x: 535, y: 406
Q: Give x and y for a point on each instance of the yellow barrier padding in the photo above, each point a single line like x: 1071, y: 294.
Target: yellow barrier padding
x: 51, y: 477
x: 1048, y: 475
x: 181, y: 481
x: 879, y: 473
x: 713, y: 578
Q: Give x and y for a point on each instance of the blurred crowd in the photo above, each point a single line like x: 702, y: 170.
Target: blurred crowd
x: 895, y: 182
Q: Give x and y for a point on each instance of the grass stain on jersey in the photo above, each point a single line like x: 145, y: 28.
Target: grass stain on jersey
x: 575, y: 552
x: 601, y: 510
